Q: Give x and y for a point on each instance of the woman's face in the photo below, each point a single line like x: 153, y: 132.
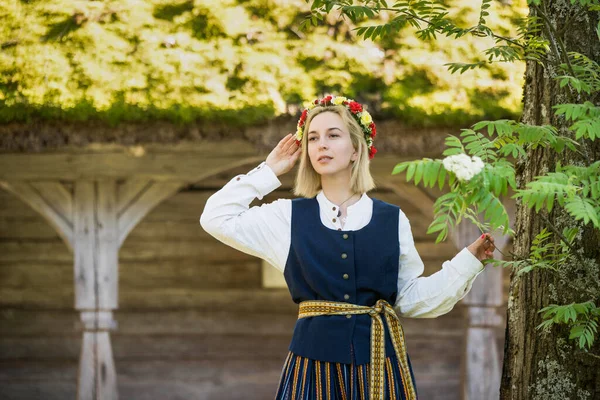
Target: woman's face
x: 329, y: 146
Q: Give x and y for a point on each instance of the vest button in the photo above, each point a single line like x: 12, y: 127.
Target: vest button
x: 345, y: 276
x: 334, y: 220
x: 348, y: 316
x: 333, y: 208
x: 344, y: 255
x: 345, y: 236
x: 238, y: 178
x: 339, y: 229
x: 346, y: 296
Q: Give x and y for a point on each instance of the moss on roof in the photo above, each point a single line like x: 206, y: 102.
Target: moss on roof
x: 243, y: 61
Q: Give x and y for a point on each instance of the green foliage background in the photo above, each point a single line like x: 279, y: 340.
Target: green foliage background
x: 243, y: 61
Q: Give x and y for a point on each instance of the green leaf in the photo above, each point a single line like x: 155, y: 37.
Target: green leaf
x: 441, y: 178
x: 411, y: 171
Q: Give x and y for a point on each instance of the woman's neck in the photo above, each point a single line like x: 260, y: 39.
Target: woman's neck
x: 338, y: 191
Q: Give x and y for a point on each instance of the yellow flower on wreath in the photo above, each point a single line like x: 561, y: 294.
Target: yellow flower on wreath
x: 339, y: 100
x: 365, y: 118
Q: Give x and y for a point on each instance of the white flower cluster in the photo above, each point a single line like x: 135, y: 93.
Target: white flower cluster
x: 463, y: 166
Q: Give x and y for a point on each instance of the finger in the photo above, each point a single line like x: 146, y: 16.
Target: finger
x: 296, y: 154
x: 288, y: 147
x: 283, y: 141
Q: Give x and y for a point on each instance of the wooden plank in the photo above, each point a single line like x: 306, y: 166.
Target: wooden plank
x: 85, y: 245
x: 18, y: 322
x: 147, y: 347
x: 62, y: 223
x: 55, y: 251
x: 189, y: 274
x: 159, y: 231
x: 190, y: 371
x: 28, y: 276
x: 51, y: 251
x: 37, y: 370
x: 255, y: 300
x: 202, y: 346
x: 174, y: 390
x: 48, y: 390
x: 177, y: 250
x: 143, y: 204
x: 41, y: 298
x: 107, y: 246
x: 12, y: 206
x: 31, y: 228
x: 189, y: 166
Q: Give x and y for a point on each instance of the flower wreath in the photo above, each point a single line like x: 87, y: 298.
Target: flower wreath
x: 356, y: 110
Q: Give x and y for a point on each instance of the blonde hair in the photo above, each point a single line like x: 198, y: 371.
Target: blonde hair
x: 308, y: 181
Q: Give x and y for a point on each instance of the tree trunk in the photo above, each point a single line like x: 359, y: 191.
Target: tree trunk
x: 540, y: 365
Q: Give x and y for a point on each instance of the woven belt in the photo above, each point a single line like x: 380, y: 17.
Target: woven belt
x: 315, y: 308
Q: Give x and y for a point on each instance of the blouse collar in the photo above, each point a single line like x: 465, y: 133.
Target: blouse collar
x: 364, y: 204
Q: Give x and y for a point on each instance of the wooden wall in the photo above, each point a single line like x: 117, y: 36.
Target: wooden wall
x: 194, y: 322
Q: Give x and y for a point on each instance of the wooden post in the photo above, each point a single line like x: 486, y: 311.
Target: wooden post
x: 96, y: 264
x: 104, y: 214
x: 483, y: 362
x: 94, y: 219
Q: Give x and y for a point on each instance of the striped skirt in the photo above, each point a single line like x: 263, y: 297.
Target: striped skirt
x: 306, y: 379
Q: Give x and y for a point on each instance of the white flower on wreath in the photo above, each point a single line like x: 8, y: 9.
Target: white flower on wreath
x: 463, y: 166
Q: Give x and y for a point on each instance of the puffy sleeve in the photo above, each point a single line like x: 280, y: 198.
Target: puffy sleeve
x: 262, y: 231
x: 434, y: 295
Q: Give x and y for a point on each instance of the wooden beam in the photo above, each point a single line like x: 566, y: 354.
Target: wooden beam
x: 47, y: 199
x: 157, y: 163
x: 128, y: 191
x: 57, y: 195
x: 148, y: 197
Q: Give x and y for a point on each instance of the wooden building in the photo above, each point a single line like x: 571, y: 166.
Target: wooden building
x: 109, y: 287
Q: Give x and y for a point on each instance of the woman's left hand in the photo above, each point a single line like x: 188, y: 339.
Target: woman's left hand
x: 483, y: 248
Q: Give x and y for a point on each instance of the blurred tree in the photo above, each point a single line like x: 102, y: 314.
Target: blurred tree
x: 242, y: 61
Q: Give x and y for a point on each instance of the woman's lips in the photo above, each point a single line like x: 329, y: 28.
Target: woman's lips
x: 324, y: 159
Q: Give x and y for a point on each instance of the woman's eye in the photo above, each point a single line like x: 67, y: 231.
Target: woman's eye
x: 311, y: 138
x: 334, y: 134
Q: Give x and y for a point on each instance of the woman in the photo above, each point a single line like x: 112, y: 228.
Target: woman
x: 349, y: 260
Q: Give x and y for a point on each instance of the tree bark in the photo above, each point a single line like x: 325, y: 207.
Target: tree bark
x: 546, y: 365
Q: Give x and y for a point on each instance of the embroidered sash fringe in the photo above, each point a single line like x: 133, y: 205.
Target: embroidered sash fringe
x: 315, y: 308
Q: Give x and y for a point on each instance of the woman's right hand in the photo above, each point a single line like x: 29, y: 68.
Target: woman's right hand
x: 283, y: 157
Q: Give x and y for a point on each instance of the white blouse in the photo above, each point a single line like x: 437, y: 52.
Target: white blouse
x: 265, y: 231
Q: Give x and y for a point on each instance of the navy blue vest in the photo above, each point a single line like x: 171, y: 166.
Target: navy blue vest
x: 327, y: 264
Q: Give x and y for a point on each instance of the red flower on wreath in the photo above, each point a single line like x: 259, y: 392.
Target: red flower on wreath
x: 355, y: 107
x: 303, y: 118
x: 372, y: 152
